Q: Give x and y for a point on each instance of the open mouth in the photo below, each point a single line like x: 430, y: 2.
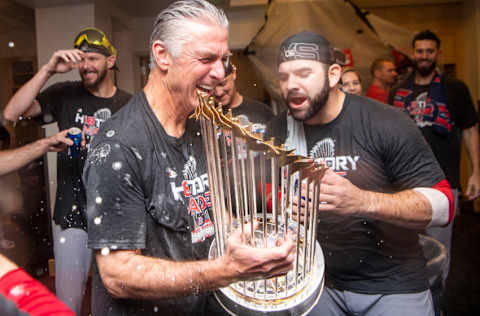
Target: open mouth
x: 205, y: 89
x: 296, y: 101
x: 89, y: 74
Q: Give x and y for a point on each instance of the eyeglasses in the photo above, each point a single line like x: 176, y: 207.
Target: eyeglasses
x: 96, y: 38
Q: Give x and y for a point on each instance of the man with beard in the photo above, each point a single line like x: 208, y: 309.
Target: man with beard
x: 384, y: 77
x: 382, y: 187
x: 84, y: 104
x: 443, y: 110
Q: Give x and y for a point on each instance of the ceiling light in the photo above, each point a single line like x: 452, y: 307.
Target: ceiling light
x: 11, y: 44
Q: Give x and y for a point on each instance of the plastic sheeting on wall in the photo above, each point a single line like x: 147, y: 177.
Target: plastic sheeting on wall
x: 336, y: 20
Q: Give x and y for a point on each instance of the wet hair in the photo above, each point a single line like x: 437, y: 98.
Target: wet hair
x: 426, y: 35
x: 169, y: 24
x: 350, y: 69
x: 377, y: 64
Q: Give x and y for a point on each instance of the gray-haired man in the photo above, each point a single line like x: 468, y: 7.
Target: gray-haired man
x: 149, y: 216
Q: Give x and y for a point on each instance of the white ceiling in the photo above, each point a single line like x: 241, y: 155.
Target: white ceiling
x: 148, y: 8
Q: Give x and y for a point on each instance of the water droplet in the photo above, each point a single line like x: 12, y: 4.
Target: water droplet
x: 128, y: 179
x: 105, y: 251
x: 97, y: 220
x: 110, y: 133
x: 62, y: 240
x: 117, y: 165
x: 98, y: 200
x: 137, y: 154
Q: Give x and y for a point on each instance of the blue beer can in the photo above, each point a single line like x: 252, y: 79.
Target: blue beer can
x: 75, y: 134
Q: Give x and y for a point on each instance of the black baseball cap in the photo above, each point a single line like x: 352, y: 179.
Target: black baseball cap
x: 307, y: 45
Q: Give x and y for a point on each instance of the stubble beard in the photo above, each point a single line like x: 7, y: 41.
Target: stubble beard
x: 316, y: 104
x: 100, y: 77
x: 425, y: 71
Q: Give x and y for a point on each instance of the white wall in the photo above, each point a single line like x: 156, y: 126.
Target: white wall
x: 56, y: 28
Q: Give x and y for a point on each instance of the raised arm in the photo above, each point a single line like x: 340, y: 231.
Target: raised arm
x: 13, y: 159
x: 24, y: 102
x: 154, y: 278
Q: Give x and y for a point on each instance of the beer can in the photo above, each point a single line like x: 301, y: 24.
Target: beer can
x: 75, y: 134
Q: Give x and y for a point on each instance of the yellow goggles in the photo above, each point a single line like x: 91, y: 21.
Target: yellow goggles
x: 95, y: 39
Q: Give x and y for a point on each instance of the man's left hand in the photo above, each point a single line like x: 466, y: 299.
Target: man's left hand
x: 473, y: 187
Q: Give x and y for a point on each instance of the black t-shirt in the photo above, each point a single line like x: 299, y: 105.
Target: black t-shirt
x: 147, y: 190
x: 256, y: 112
x: 377, y: 148
x: 446, y: 147
x: 71, y: 105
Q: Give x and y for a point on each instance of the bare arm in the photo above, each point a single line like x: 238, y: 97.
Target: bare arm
x: 407, y: 208
x: 471, y: 140
x: 24, y: 102
x: 13, y: 159
x: 128, y: 274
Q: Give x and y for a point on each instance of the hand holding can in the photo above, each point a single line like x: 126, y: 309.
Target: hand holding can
x: 75, y: 134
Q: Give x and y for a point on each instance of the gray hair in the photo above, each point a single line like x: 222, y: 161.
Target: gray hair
x: 168, y: 26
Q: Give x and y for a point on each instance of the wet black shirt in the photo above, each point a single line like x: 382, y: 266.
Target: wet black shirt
x: 71, y: 105
x: 256, y: 112
x: 147, y: 190
x: 379, y: 149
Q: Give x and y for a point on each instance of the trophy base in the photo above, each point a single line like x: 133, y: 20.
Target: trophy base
x: 297, y: 303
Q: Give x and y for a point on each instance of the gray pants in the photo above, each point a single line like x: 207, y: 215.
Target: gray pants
x: 345, y: 303
x: 444, y: 235
x: 72, y: 264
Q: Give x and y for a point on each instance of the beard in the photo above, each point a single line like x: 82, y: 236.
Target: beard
x: 425, y: 71
x: 101, y: 74
x: 316, y: 103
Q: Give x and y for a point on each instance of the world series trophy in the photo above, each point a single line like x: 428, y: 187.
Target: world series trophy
x: 241, y: 166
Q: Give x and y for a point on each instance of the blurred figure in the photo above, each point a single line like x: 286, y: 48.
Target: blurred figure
x: 351, y: 82
x: 84, y: 104
x: 384, y: 77
x: 256, y: 112
x: 20, y: 294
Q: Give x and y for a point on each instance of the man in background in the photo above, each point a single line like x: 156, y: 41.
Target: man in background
x: 384, y: 77
x: 443, y: 110
x: 255, y: 112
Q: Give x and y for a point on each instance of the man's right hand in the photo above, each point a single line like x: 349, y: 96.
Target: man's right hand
x: 64, y: 61
x: 57, y: 142
x: 249, y: 263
